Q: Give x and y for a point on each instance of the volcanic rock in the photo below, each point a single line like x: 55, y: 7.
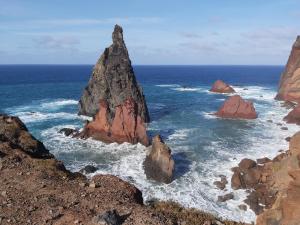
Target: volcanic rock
x: 237, y: 108
x: 225, y: 197
x: 114, y: 99
x: 289, y: 86
x: 88, y: 169
x: 159, y: 164
x: 221, y: 87
x: 14, y: 132
x: 293, y: 116
x: 68, y: 132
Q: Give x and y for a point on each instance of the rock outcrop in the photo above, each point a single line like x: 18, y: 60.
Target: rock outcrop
x: 286, y: 183
x: 221, y: 87
x: 114, y: 99
x: 289, y: 86
x: 237, y: 108
x: 273, y: 186
x: 159, y: 164
x: 293, y: 116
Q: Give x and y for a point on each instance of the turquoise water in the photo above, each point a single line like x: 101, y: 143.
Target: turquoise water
x: 46, y: 97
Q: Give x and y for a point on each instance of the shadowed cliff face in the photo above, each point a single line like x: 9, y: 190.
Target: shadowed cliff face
x: 289, y: 86
x: 114, y: 98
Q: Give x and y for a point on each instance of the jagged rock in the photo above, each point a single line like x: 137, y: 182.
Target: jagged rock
x: 293, y: 116
x: 14, y: 132
x: 289, y: 86
x: 114, y: 99
x: 68, y: 131
x: 88, y: 169
x: 222, y: 183
x: 263, y: 160
x: 221, y: 87
x: 159, y: 164
x: 237, y: 108
x: 225, y: 197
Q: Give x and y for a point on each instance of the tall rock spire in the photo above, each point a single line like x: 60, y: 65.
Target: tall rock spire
x: 289, y: 86
x: 114, y: 99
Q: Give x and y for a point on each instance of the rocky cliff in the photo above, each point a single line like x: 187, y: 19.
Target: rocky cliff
x: 114, y: 99
x: 289, y: 86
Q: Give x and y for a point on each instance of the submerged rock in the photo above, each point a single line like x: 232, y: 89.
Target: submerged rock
x: 88, y: 169
x: 68, y: 132
x: 114, y: 99
x: 289, y: 86
x: 237, y: 108
x: 221, y: 87
x: 159, y: 164
x: 225, y: 197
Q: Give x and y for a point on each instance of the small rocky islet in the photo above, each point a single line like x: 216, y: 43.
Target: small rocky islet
x: 36, y: 188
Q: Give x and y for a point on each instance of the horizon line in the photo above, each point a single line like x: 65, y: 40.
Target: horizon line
x: 86, y: 64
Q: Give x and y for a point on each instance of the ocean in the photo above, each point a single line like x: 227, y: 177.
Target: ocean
x: 45, y: 97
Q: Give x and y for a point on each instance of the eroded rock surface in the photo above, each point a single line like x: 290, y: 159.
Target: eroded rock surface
x: 221, y: 87
x: 114, y: 99
x: 289, y: 86
x: 237, y: 108
x: 293, y: 116
x: 159, y: 164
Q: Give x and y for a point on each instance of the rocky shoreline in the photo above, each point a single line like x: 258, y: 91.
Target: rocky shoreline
x: 37, y: 189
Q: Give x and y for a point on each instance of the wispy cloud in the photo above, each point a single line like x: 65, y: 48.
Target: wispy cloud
x: 56, y: 43
x: 275, y: 33
x: 75, y: 22
x: 190, y: 35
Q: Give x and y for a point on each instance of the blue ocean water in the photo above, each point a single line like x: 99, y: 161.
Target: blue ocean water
x: 45, y: 97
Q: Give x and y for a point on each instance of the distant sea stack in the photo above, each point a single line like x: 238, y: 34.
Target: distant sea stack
x: 114, y: 99
x: 289, y: 86
x: 237, y: 108
x: 221, y: 87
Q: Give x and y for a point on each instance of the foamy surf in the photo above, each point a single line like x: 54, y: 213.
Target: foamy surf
x: 201, y: 149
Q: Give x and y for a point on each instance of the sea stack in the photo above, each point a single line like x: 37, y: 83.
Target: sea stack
x: 159, y: 164
x: 237, y: 108
x: 221, y: 87
x: 289, y: 86
x: 114, y: 99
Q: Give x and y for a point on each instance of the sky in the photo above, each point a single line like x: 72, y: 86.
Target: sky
x: 156, y: 32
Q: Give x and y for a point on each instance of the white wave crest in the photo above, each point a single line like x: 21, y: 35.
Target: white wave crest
x: 59, y: 103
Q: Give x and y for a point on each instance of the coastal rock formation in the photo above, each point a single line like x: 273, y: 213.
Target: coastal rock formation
x: 114, y: 99
x: 221, y: 87
x: 293, y: 116
x: 159, y: 164
x: 37, y: 189
x: 237, y: 108
x: 286, y: 181
x: 15, y: 134
x: 273, y: 185
x: 289, y: 86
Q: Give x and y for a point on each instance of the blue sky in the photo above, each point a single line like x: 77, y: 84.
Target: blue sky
x: 156, y: 31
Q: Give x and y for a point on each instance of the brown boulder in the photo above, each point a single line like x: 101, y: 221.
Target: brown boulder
x: 246, y: 164
x: 293, y: 116
x: 159, y: 164
x: 289, y: 86
x: 221, y: 87
x: 237, y: 108
x: 114, y: 99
